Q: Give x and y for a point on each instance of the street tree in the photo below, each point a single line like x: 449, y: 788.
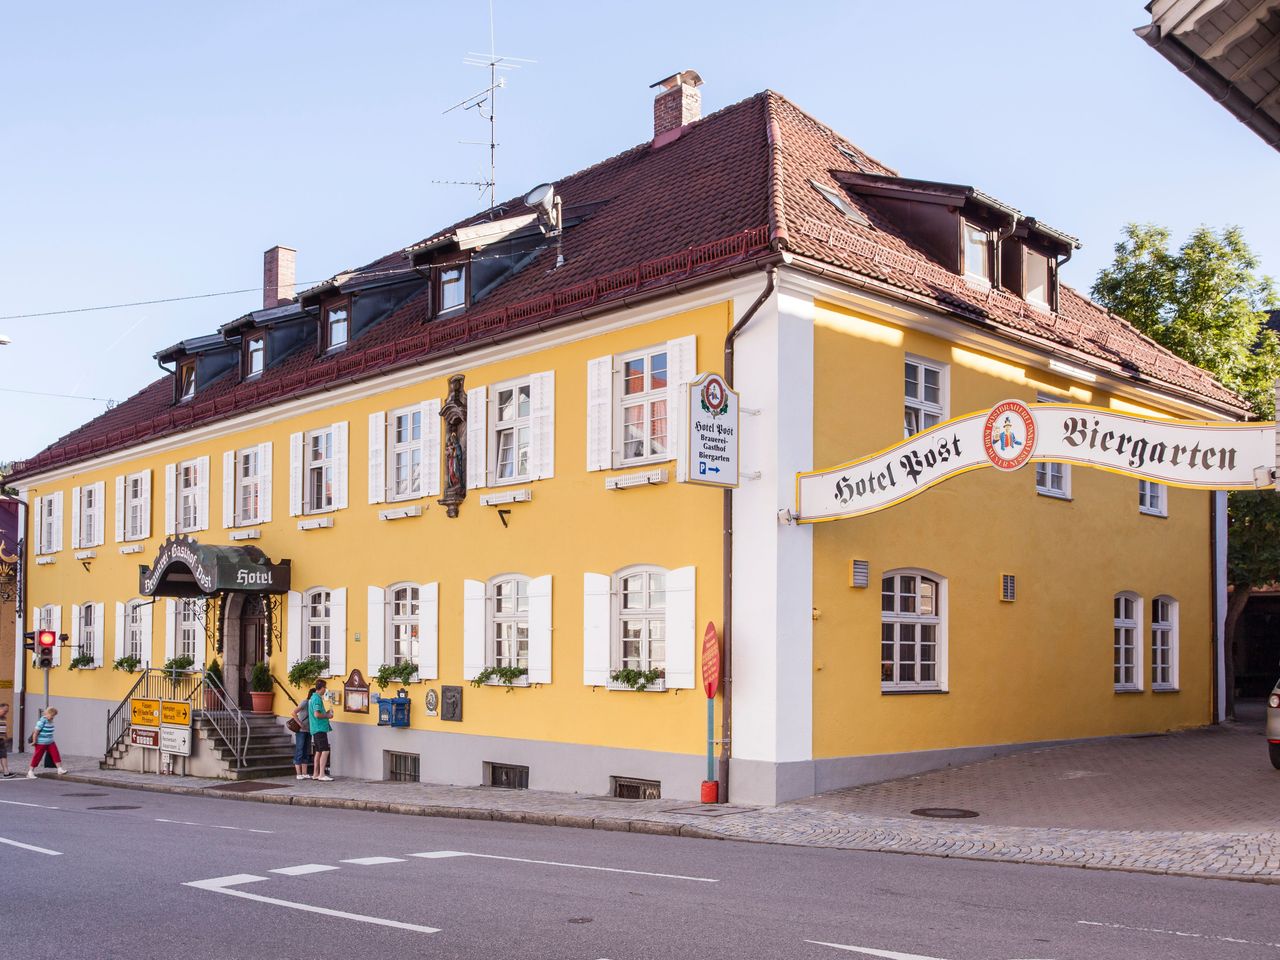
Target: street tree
x: 1208, y: 302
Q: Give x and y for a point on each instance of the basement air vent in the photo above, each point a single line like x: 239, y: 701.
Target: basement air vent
x: 629, y: 788
x: 1008, y: 588
x: 506, y: 775
x: 860, y: 574
x: 401, y: 767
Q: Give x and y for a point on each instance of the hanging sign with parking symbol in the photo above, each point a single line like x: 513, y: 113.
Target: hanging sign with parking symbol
x: 712, y: 432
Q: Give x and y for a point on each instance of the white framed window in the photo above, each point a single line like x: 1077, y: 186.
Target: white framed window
x: 90, y: 515
x: 912, y: 631
x: 190, y: 482
x: 404, y: 464
x: 48, y: 523
x: 1126, y: 629
x: 405, y: 617
x: 255, y: 356
x: 512, y: 431
x: 317, y: 624
x: 925, y: 395
x: 453, y: 288
x: 186, y: 381
x: 1035, y: 277
x: 135, y: 630
x: 633, y: 405
x: 190, y: 632
x: 643, y: 411
x: 1053, y: 480
x: 90, y: 631
x: 320, y: 471
x: 1153, y: 498
x: 508, y: 622
x: 977, y: 252
x: 1164, y: 643
x: 134, y: 504
x: 640, y: 626
x: 248, y: 485
x: 337, y: 326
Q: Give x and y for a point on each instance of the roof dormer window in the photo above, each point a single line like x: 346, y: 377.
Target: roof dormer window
x: 452, y: 288
x: 186, y: 380
x: 977, y: 252
x: 337, y: 326
x: 255, y: 356
x: 841, y: 203
x: 1035, y: 273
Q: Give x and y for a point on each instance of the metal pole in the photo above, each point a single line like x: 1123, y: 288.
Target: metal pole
x: 711, y: 738
x: 46, y: 688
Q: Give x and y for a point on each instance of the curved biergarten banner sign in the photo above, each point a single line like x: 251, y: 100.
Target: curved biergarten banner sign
x: 1178, y: 453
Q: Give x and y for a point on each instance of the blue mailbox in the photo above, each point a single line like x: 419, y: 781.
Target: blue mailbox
x: 394, y: 711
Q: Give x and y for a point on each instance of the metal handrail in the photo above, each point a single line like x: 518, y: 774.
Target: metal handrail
x: 283, y: 689
x: 195, y: 687
x: 120, y: 719
x: 226, y: 719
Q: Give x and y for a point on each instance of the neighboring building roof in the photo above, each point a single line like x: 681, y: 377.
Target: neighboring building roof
x: 733, y: 188
x: 1230, y: 48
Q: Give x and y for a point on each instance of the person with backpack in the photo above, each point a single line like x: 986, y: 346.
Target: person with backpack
x: 42, y: 737
x: 300, y: 724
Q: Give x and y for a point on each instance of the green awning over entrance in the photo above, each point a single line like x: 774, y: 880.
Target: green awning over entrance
x: 186, y: 568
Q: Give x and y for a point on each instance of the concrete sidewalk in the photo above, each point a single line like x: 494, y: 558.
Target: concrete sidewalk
x: 1196, y: 804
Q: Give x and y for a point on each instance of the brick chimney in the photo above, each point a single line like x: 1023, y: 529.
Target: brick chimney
x: 678, y: 102
x: 278, y: 276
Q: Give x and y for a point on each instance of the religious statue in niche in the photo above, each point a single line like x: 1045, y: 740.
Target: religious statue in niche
x: 454, y: 414
x: 451, y: 704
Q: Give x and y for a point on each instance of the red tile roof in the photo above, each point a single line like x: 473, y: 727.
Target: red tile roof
x: 733, y: 188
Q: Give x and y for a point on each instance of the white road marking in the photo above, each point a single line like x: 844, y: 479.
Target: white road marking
x: 442, y: 854
x: 211, y: 826
x: 303, y: 869
x: 19, y: 803
x: 373, y: 861
x: 27, y: 846
x: 1178, y: 933
x: 222, y: 885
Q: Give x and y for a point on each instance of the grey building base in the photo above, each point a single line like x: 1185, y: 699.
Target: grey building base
x: 359, y: 750
x: 81, y: 724
x: 762, y: 783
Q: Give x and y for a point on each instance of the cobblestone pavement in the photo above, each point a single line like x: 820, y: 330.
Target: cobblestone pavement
x: 1189, y: 804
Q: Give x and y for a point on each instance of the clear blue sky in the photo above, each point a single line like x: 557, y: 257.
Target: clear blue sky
x: 156, y: 149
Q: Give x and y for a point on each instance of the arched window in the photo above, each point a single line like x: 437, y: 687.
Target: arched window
x: 1126, y: 628
x: 403, y: 622
x: 641, y: 623
x: 508, y: 621
x: 912, y: 630
x: 190, y: 631
x: 1164, y: 643
x: 317, y: 622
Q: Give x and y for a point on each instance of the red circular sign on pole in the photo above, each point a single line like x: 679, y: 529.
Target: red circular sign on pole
x: 711, y: 660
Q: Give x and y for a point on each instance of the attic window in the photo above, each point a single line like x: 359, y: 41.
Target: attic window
x: 853, y: 156
x: 255, y: 355
x: 841, y: 203
x: 187, y: 380
x: 453, y: 288
x: 977, y: 253
x: 337, y: 327
x: 1036, y: 278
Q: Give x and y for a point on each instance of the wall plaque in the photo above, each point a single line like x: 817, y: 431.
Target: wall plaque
x: 451, y: 704
x: 433, y: 703
x: 355, y: 693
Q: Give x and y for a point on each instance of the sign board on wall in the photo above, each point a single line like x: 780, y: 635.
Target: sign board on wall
x: 144, y: 712
x: 711, y: 432
x: 176, y: 740
x: 144, y: 737
x: 175, y: 713
x: 1177, y: 453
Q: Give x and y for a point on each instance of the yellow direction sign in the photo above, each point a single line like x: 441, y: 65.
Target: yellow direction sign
x: 144, y: 713
x: 176, y: 712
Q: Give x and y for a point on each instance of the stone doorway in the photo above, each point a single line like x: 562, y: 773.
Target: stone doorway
x: 246, y: 635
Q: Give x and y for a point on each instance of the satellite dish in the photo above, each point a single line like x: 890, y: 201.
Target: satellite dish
x: 543, y: 196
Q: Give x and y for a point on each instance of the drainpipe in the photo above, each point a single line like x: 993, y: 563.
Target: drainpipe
x: 726, y: 725
x: 19, y: 744
x: 1003, y: 234
x: 1057, y: 272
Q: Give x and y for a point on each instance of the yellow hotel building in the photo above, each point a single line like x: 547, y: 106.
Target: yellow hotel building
x: 521, y: 370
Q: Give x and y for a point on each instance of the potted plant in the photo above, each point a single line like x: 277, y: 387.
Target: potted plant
x: 82, y: 662
x: 212, y: 685
x: 637, y: 679
x: 127, y: 664
x: 260, y: 687
x: 406, y: 671
x: 505, y: 675
x: 305, y: 673
x: 179, y: 664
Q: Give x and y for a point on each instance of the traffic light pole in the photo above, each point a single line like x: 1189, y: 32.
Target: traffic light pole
x: 46, y: 687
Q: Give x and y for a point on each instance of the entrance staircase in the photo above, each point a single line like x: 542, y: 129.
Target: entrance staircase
x: 268, y: 752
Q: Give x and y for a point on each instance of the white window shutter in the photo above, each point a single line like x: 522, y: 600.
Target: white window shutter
x: 340, y: 471
x: 146, y: 613
x: 600, y: 413
x: 682, y: 367
x: 202, y: 493
x: 170, y: 629
x: 597, y: 628
x: 378, y: 457
x: 681, y: 627
x: 170, y: 499
x: 120, y: 518
x: 473, y: 617
x: 75, y: 630
x: 75, y: 518
x: 120, y: 645
x: 99, y: 634
x: 377, y: 631
x: 477, y: 432
x: 338, y: 632
x: 57, y: 522
x: 429, y: 631
x: 229, y: 489
x: 146, y: 504
x: 431, y: 448
x: 542, y: 422
x: 99, y: 514
x: 293, y: 629
x: 540, y: 630
x: 295, y: 474
x: 264, y: 468
x: 41, y: 547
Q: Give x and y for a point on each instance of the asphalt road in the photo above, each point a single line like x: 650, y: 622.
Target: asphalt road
x: 141, y: 875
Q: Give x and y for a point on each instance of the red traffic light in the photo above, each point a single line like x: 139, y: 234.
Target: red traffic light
x: 46, y: 639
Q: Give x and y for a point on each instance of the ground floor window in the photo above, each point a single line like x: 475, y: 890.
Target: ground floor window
x: 642, y: 620
x: 317, y: 623
x: 911, y: 622
x: 190, y: 631
x: 1126, y: 670
x: 405, y: 623
x: 133, y: 613
x: 1164, y: 643
x: 89, y: 628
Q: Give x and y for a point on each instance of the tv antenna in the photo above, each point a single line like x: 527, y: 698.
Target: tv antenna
x: 485, y: 103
